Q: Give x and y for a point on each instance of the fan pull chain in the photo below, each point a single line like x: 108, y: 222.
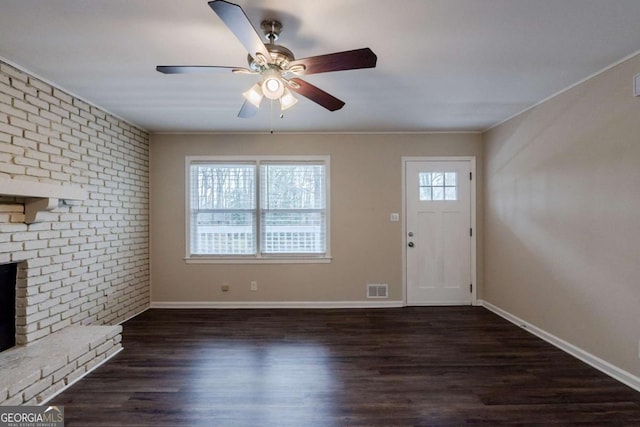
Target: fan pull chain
x: 271, y: 116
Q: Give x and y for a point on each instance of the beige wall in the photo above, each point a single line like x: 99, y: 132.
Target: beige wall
x: 365, y: 188
x: 562, y: 202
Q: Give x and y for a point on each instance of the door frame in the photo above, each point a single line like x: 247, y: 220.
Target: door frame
x: 474, y: 236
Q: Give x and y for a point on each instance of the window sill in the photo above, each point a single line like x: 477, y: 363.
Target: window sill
x: 274, y: 260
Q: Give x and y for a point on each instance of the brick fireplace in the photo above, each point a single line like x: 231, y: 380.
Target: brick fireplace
x: 78, y: 264
x: 7, y: 306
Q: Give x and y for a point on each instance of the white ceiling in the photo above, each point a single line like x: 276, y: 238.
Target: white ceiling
x: 460, y: 65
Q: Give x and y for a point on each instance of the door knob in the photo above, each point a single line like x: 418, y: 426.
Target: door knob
x: 410, y: 244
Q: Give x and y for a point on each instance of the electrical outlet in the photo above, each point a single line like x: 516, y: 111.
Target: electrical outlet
x: 225, y: 287
x: 254, y: 285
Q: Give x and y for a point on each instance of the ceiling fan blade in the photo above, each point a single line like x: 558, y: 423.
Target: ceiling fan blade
x: 183, y: 69
x: 316, y: 94
x: 247, y: 110
x: 348, y: 60
x: 234, y: 17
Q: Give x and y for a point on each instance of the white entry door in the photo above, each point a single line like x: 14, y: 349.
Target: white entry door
x: 439, y: 234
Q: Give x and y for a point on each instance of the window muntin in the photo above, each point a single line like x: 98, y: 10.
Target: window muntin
x: 258, y: 208
x: 437, y: 186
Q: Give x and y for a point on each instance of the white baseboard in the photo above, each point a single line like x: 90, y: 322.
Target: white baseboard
x: 613, y: 371
x: 276, y: 304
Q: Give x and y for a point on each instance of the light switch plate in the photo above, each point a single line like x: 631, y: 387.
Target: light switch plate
x: 636, y: 85
x: 394, y: 217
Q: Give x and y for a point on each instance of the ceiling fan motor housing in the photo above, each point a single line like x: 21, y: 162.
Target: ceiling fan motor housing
x: 280, y: 56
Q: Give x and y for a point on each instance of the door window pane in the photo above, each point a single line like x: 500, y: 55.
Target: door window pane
x: 450, y: 179
x: 450, y: 193
x: 438, y: 186
x: 425, y: 193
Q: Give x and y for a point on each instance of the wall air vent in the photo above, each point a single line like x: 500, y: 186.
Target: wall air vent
x: 377, y: 290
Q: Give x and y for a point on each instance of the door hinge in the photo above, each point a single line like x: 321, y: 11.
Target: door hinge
x: 471, y: 232
x: 471, y: 175
x: 470, y: 288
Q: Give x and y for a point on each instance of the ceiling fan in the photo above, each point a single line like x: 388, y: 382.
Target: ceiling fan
x: 276, y: 64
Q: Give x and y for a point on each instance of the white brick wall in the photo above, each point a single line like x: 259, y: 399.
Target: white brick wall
x: 86, y: 264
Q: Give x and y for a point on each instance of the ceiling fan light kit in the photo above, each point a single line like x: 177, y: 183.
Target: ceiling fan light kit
x: 254, y: 95
x: 272, y: 86
x: 287, y: 100
x: 276, y: 64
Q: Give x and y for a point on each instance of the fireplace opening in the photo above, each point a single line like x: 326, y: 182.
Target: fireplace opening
x: 7, y: 306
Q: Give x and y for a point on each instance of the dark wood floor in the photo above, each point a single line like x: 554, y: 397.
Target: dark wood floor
x: 383, y: 367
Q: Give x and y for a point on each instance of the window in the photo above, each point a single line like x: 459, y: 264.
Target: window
x: 257, y: 209
x: 436, y: 186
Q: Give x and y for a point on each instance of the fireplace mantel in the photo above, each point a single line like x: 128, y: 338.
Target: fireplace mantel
x: 40, y: 196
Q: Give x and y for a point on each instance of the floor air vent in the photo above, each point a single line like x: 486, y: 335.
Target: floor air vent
x: 376, y: 290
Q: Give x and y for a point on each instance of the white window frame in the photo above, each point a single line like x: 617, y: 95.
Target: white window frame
x: 258, y: 258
